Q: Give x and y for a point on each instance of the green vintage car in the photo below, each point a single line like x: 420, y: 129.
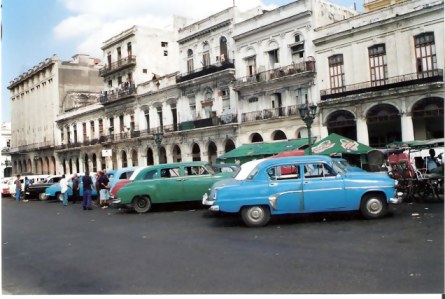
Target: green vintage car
x: 165, y: 183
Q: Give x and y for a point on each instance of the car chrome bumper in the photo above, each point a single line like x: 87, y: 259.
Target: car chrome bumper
x: 206, y: 201
x: 214, y: 208
x: 396, y: 200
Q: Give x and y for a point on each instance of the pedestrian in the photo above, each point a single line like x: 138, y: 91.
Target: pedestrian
x: 87, y: 186
x: 104, y: 192
x: 18, y: 188
x: 27, y: 183
x: 76, y: 188
x: 64, y: 189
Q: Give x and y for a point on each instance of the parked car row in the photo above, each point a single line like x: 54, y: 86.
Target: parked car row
x: 257, y: 190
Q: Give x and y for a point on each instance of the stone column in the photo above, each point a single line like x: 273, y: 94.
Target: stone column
x: 407, y: 127
x: 362, y: 130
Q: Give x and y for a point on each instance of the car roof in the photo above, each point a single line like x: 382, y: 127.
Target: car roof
x: 296, y: 159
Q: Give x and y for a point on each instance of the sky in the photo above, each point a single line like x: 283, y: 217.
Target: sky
x: 33, y: 30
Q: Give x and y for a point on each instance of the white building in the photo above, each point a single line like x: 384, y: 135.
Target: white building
x: 380, y: 74
x: 275, y: 68
x: 5, y: 145
x: 37, y: 97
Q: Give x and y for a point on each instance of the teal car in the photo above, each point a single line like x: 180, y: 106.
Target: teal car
x: 306, y: 184
x: 168, y: 183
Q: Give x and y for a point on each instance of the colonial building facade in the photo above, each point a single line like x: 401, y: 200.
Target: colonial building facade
x: 38, y: 97
x: 383, y: 71
x: 238, y: 78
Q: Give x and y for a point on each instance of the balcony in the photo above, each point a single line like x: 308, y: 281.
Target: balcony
x: 272, y: 113
x: 393, y: 82
x: 207, y: 70
x: 304, y: 67
x: 208, y: 122
x: 108, y: 69
x: 126, y: 91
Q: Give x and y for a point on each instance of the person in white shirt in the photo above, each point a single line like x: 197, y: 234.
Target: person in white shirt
x: 64, y: 190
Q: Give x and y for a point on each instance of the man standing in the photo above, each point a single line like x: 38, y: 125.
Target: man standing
x: 64, y: 189
x: 104, y: 193
x: 76, y: 188
x: 18, y: 188
x: 87, y: 185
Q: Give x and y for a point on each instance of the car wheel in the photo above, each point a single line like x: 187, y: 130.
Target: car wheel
x: 43, y: 196
x: 142, y: 204
x: 373, y: 206
x: 255, y: 216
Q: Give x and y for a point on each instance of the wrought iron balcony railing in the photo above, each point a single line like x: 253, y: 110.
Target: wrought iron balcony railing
x: 210, y: 69
x: 120, y: 93
x: 118, y: 65
x: 281, y: 72
x: 272, y: 113
x: 384, y: 84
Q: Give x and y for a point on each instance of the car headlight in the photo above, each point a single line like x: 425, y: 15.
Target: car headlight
x: 396, y: 183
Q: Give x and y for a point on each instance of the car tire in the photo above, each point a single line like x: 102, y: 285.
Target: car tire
x: 43, y: 196
x: 255, y: 216
x: 373, y: 206
x: 142, y: 204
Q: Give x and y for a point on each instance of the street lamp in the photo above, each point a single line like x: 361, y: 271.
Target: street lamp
x: 158, y: 139
x: 308, y: 113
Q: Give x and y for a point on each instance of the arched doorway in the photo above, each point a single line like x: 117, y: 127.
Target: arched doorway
x: 230, y: 145
x: 70, y: 165
x: 342, y: 122
x: 196, y: 152
x: 124, y: 159
x: 86, y: 163
x: 384, y: 125
x: 176, y: 153
x: 212, y: 152
x: 134, y: 157
x: 255, y: 137
x: 163, y: 157
x: 428, y: 118
x: 150, y: 160
x: 279, y: 135
x: 94, y: 163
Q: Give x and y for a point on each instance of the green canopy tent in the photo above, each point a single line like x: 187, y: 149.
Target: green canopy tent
x: 417, y: 144
x: 336, y: 145
x: 258, y: 150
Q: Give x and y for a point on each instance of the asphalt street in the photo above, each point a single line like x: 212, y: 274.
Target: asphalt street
x: 180, y: 249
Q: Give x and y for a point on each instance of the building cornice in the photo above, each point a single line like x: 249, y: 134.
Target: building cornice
x: 31, y: 72
x: 273, y: 24
x: 205, y: 31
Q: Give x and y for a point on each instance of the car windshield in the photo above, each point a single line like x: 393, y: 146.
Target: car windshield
x: 135, y: 173
x: 339, y: 167
x: 245, y: 169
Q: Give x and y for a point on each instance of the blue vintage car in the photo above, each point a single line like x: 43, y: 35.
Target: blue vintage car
x: 53, y: 191
x: 304, y: 184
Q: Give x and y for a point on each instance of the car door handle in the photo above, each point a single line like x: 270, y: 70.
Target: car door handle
x: 273, y: 184
x: 180, y: 179
x: 307, y: 182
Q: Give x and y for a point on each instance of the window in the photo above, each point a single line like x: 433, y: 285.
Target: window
x: 165, y: 53
x: 253, y: 100
x: 121, y: 123
x: 164, y: 44
x: 101, y: 127
x: 251, y: 66
x: 317, y: 170
x: 144, y: 71
x: 169, y: 172
x: 284, y: 172
x: 84, y: 131
x: 336, y: 73
x: 111, y: 125
x: 132, y: 123
x: 273, y: 57
x: 92, y: 129
x: 223, y: 49
x: 190, y: 66
x: 377, y: 65
x: 110, y: 83
x: 119, y: 53
x: 109, y: 59
x: 147, y: 120
x: 129, y: 50
x: 297, y: 48
x: 196, y: 170
x: 206, y: 55
x: 192, y: 105
x: 160, y: 117
x: 426, y: 60
x: 149, y: 175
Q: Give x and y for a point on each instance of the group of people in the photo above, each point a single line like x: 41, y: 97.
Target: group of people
x: 102, y: 187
